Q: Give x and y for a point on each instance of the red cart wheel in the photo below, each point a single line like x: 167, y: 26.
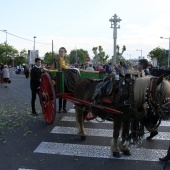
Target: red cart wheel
x: 47, y: 98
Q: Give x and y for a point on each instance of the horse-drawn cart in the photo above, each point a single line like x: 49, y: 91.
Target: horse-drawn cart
x: 133, y: 103
x: 52, y: 87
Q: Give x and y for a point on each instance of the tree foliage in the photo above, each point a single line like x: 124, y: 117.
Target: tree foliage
x: 100, y: 55
x: 160, y: 54
x: 119, y: 55
x: 48, y: 58
x: 21, y: 57
x: 81, y: 56
x: 6, y: 52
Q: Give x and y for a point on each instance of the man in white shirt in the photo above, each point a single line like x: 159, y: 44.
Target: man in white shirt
x: 90, y: 67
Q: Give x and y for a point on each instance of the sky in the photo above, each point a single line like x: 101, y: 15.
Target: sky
x: 85, y: 24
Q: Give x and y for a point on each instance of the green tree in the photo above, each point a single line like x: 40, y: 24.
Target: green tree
x: 160, y: 54
x: 81, y: 56
x: 119, y: 55
x: 100, y: 55
x: 6, y: 52
x: 48, y: 58
x: 21, y: 58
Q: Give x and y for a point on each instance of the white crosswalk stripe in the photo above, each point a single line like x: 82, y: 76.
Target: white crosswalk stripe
x: 100, y: 132
x: 97, y: 151
x: 98, y: 120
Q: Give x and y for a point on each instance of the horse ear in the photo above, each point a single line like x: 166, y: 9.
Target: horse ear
x: 160, y: 79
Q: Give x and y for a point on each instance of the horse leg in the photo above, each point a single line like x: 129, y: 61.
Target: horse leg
x: 80, y: 122
x: 135, y: 131
x: 125, y: 133
x: 114, y: 143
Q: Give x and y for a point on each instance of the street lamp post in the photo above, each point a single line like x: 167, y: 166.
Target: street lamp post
x: 34, y: 42
x: 5, y: 45
x: 140, y: 51
x: 169, y: 49
x: 114, y: 20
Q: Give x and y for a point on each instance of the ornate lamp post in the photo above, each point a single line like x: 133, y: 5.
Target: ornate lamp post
x: 114, y: 20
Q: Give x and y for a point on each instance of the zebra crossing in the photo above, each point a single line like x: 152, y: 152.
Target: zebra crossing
x: 95, y: 150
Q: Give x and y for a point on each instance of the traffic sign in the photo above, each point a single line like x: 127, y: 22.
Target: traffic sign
x: 87, y: 58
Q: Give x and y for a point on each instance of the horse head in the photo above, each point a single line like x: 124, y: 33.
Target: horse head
x: 162, y: 95
x: 152, y: 94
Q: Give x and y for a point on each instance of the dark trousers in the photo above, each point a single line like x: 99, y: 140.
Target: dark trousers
x: 62, y: 101
x: 34, y: 92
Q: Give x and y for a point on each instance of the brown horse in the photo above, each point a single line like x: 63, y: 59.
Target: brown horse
x: 149, y: 96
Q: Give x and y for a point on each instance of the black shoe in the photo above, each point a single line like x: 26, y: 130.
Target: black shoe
x: 152, y: 134
x: 166, y: 158
x: 64, y: 111
x: 35, y: 113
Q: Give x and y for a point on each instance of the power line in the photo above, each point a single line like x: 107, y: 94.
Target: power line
x: 24, y: 38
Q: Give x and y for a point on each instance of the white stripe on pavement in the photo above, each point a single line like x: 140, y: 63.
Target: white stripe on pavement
x: 25, y: 169
x: 97, y: 151
x: 73, y: 119
x: 101, y: 132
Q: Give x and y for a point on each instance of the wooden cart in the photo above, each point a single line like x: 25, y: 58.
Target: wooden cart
x: 52, y: 87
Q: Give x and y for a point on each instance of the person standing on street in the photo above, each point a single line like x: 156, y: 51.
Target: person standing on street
x: 5, y: 75
x: 167, y: 157
x: 90, y: 67
x: 35, y: 83
x: 62, y: 66
x: 143, y: 67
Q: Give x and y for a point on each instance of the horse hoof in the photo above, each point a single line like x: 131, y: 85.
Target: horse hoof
x: 116, y: 154
x: 127, y: 153
x: 83, y: 138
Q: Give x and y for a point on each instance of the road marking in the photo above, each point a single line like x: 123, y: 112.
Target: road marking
x: 101, y: 132
x: 97, y: 151
x: 72, y: 119
x: 25, y: 169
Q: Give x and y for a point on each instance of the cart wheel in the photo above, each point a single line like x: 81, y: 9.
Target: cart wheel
x: 47, y: 98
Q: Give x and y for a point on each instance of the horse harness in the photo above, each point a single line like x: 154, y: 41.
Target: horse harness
x: 113, y: 91
x: 154, y: 98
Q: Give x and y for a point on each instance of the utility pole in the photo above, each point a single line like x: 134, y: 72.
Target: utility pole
x: 34, y: 42
x: 114, y: 20
x: 6, y: 46
x: 76, y: 55
x: 52, y: 51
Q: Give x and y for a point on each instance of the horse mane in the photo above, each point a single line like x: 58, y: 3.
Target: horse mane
x: 140, y: 90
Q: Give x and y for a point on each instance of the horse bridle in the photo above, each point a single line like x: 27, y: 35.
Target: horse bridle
x: 154, y: 100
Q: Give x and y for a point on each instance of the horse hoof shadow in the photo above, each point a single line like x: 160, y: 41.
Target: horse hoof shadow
x: 83, y: 138
x: 116, y: 154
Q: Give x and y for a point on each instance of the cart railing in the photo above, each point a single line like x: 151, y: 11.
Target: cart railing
x: 58, y: 77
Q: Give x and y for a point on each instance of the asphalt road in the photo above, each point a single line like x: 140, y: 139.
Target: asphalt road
x: 27, y: 142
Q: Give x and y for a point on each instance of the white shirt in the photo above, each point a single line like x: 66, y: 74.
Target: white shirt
x: 89, y: 68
